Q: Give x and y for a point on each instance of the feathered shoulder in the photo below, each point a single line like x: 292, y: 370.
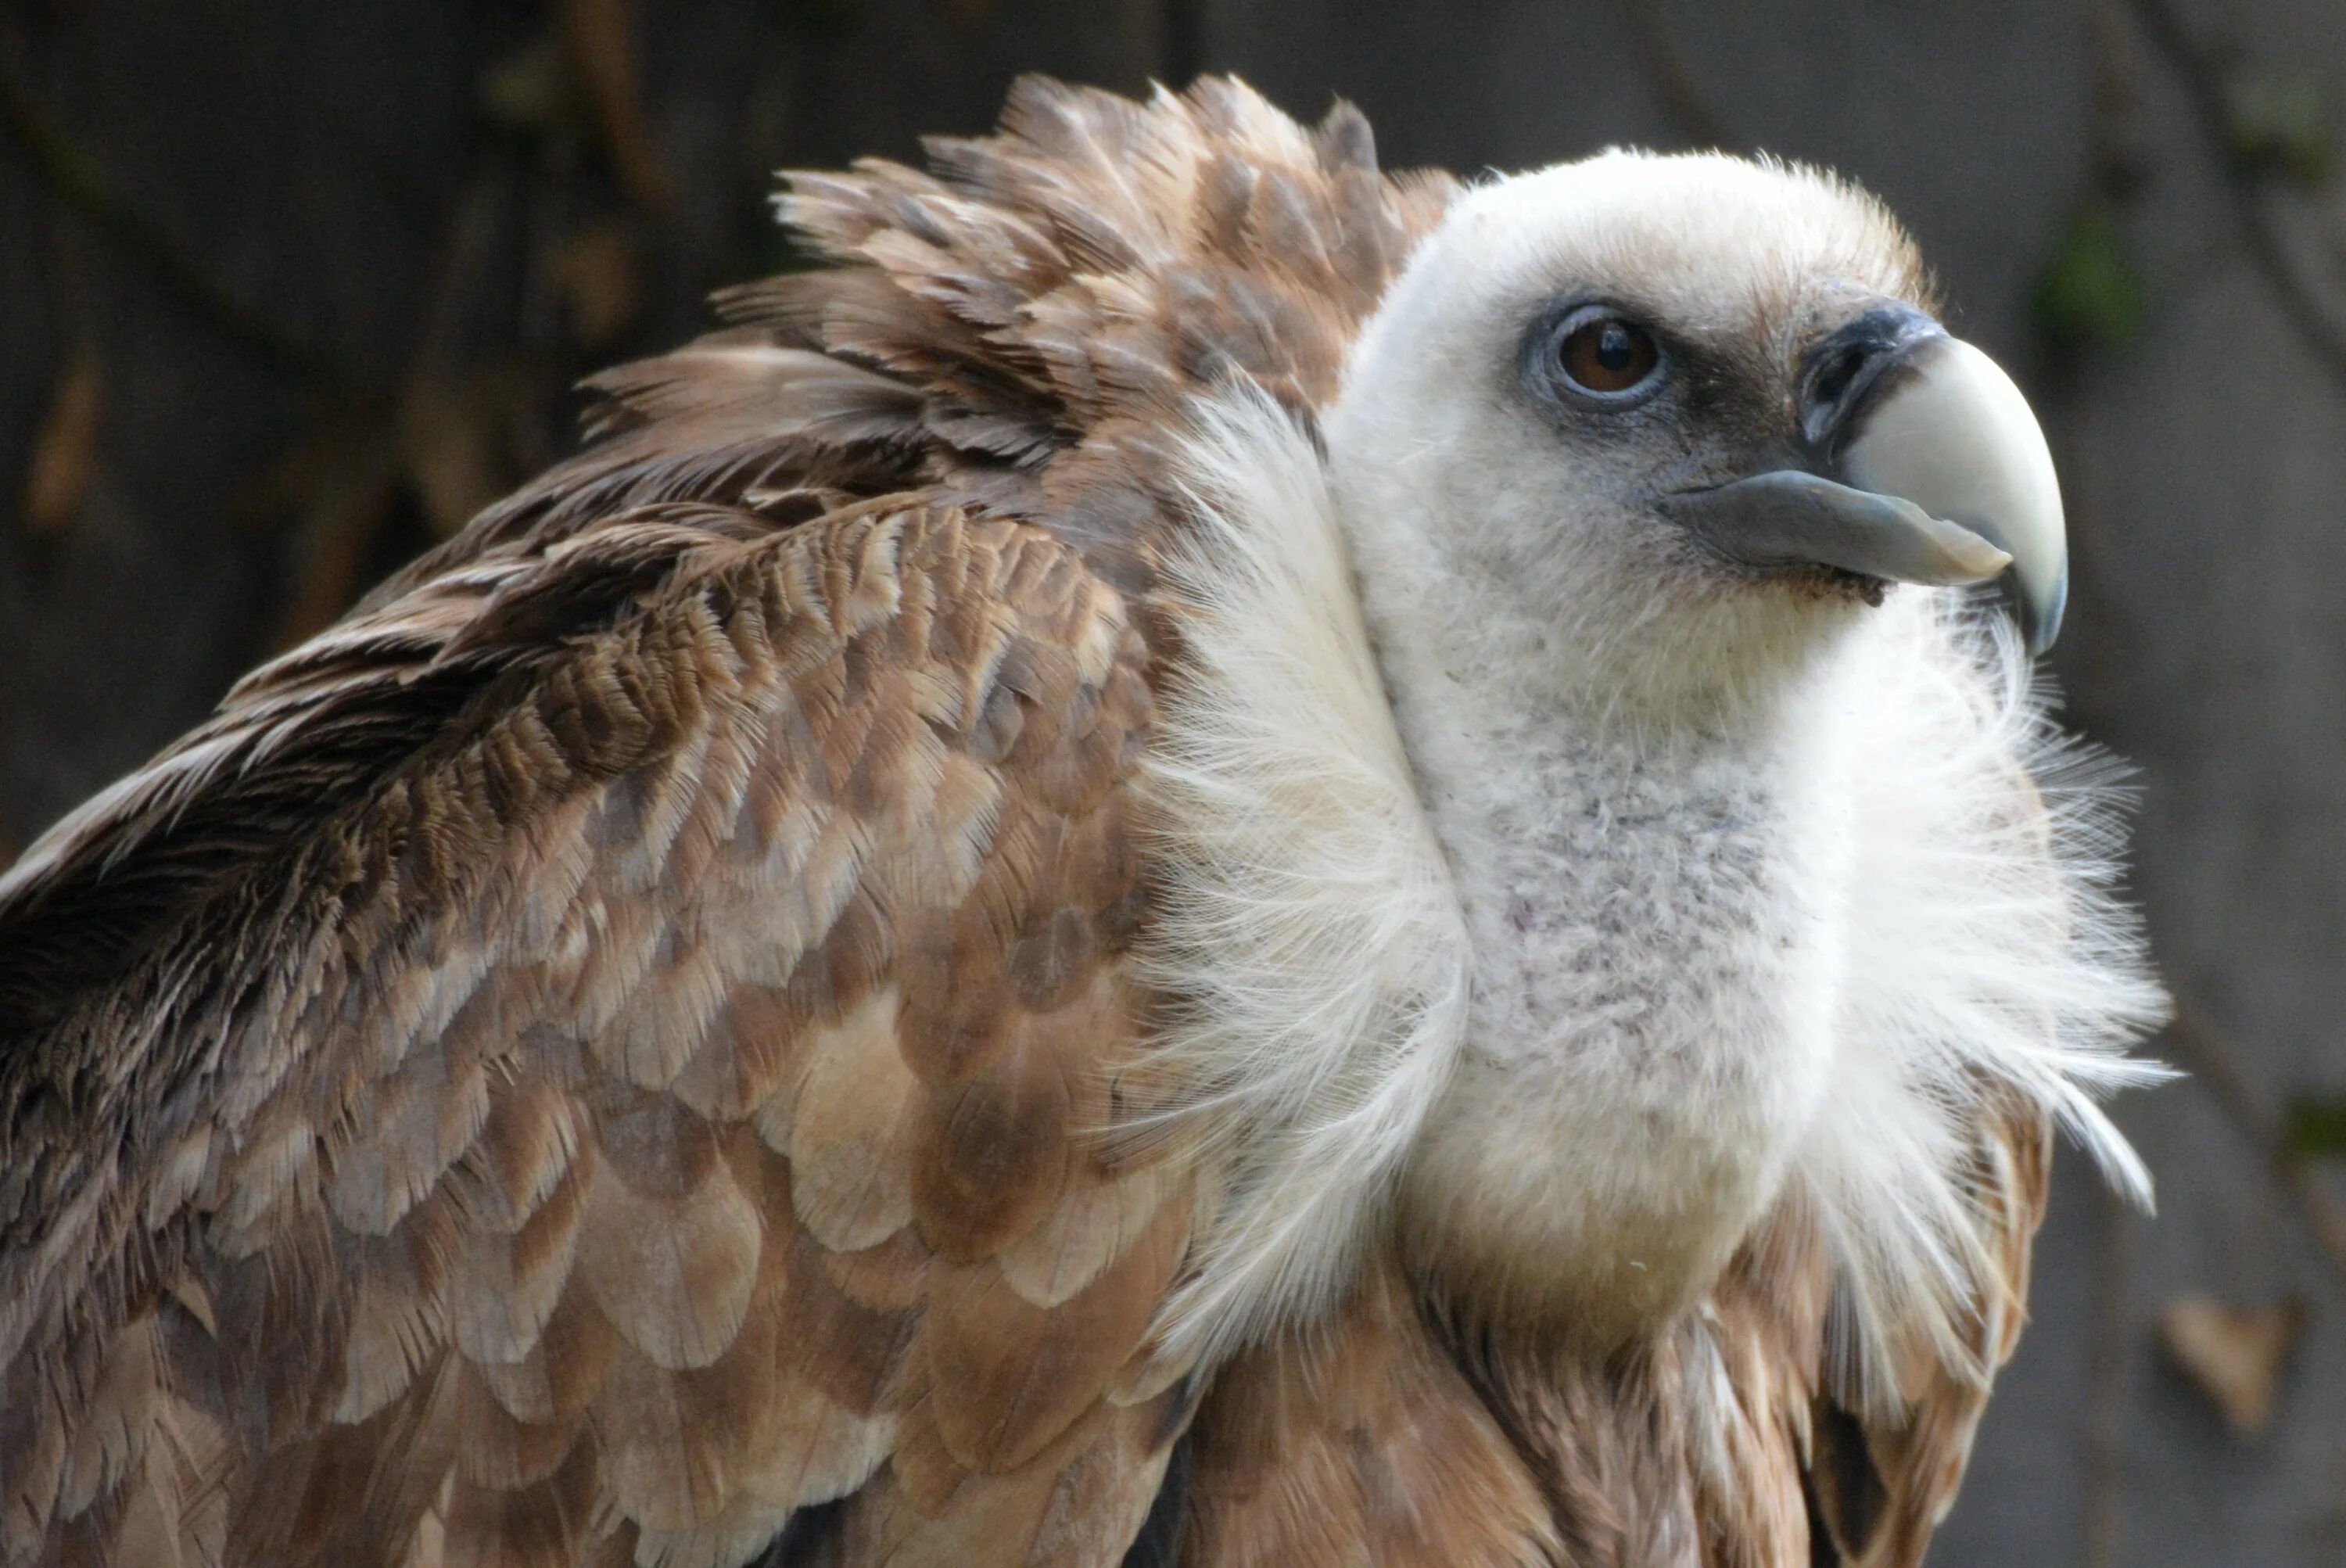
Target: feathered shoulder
x: 424, y: 1087
x: 1014, y: 330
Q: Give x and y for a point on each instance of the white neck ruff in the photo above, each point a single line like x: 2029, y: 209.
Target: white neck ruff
x: 1931, y: 927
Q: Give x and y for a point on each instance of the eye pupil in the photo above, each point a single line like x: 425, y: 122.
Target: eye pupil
x: 1609, y: 355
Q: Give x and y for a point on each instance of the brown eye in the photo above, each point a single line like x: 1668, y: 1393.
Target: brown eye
x: 1609, y: 355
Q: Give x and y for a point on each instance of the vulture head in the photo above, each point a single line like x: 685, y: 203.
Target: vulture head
x: 1662, y: 484
x: 1685, y: 416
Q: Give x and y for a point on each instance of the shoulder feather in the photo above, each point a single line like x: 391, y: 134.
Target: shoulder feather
x: 599, y: 1052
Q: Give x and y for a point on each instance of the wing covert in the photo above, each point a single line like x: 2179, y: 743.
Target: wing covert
x: 659, y: 1103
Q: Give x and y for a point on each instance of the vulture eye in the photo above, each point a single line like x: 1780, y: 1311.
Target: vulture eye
x: 1605, y: 354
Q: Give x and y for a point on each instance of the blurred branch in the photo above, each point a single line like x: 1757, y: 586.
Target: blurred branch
x: 75, y: 179
x: 1698, y: 118
x: 2211, y: 1061
x: 2203, y: 84
x: 65, y: 444
x: 600, y: 36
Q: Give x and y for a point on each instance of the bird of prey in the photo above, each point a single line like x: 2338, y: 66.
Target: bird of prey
x: 1212, y: 859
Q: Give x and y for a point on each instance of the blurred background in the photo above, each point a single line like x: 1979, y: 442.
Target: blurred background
x: 288, y: 290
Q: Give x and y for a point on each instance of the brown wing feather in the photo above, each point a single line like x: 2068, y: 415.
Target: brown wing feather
x: 661, y: 1102
x: 597, y: 1051
x: 1362, y: 1442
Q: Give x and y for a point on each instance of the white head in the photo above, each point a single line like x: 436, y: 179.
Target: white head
x: 1658, y: 414
x: 1647, y: 437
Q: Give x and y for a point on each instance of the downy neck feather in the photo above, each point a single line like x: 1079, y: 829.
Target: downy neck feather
x: 1568, y: 998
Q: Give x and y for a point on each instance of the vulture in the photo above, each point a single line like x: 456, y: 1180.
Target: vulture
x: 1210, y: 859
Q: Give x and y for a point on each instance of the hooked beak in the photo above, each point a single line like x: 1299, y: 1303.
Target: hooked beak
x: 1924, y: 465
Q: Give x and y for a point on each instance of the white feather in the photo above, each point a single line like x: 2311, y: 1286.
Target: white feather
x: 1966, y: 941
x: 1307, y: 921
x: 1988, y: 955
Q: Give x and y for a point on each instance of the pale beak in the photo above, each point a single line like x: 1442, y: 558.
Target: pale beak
x: 1924, y: 465
x: 1955, y: 437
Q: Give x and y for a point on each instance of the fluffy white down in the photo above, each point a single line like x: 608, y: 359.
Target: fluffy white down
x: 1308, y: 923
x: 1314, y: 917
x: 1988, y: 952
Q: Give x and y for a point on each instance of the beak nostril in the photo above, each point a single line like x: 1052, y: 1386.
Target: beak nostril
x: 1844, y: 374
x: 1834, y: 376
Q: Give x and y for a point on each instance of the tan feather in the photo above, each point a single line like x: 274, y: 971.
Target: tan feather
x: 1363, y: 1444
x: 670, y: 1262
x: 853, y: 1129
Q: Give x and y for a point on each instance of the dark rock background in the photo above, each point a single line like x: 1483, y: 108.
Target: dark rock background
x: 287, y: 289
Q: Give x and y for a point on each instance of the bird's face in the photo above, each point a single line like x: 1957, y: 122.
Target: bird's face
x: 1681, y: 411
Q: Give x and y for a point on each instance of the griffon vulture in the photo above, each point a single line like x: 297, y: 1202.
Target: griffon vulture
x: 1214, y: 858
